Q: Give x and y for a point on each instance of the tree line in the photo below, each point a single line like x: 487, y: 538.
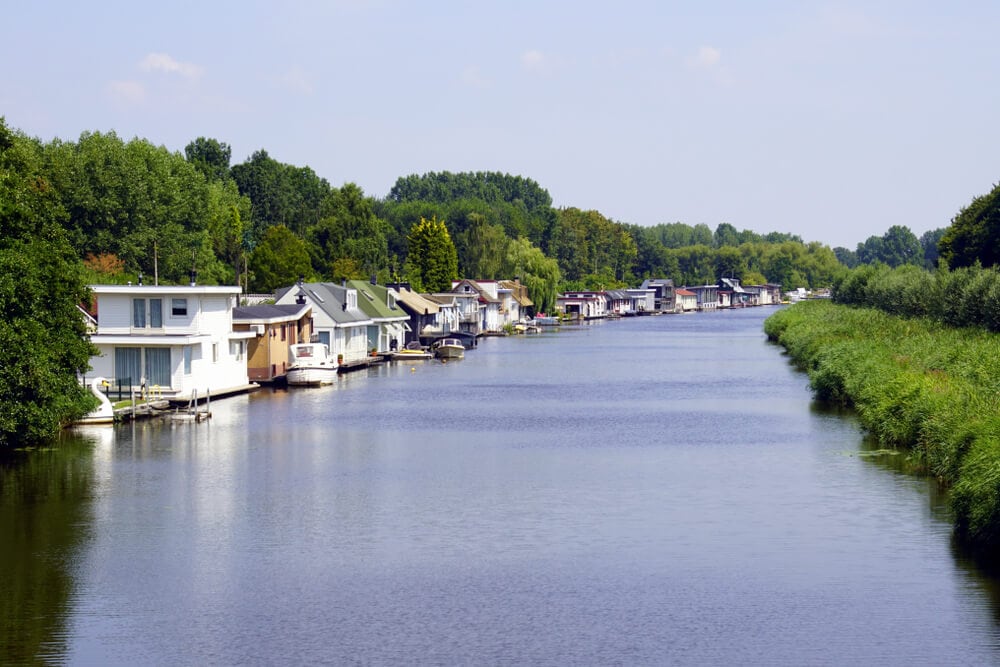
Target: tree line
x: 104, y: 209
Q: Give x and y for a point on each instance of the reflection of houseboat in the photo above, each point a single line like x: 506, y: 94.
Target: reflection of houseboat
x: 311, y: 364
x: 449, y: 348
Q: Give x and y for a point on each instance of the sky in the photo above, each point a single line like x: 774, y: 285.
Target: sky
x: 830, y: 120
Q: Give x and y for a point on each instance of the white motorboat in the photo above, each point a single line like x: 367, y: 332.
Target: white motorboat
x: 310, y: 364
x: 449, y: 348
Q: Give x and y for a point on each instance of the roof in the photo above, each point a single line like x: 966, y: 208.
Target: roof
x: 416, y: 302
x: 484, y: 294
x: 619, y: 295
x: 165, y: 289
x: 374, y: 301
x: 680, y: 291
x: 518, y: 291
x: 329, y: 298
x: 270, y: 312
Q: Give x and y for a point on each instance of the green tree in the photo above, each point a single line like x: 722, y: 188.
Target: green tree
x: 726, y: 235
x: 279, y: 260
x: 209, y: 156
x: 140, y: 202
x: 482, y: 249
x: 540, y: 274
x: 348, y: 230
x: 43, y: 339
x: 432, y: 260
x: 281, y: 194
x: 929, y: 242
x: 974, y: 234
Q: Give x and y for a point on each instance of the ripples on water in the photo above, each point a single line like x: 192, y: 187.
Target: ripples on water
x: 648, y: 491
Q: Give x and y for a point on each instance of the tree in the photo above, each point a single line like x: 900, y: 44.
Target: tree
x: 209, y: 156
x: 432, y: 261
x: 974, y: 234
x: 281, y: 194
x: 43, y: 339
x: 896, y: 247
x: 279, y: 260
x: 482, y: 249
x: 726, y: 235
x: 149, y: 207
x: 349, y: 230
x: 929, y: 242
x: 847, y: 257
x: 540, y: 274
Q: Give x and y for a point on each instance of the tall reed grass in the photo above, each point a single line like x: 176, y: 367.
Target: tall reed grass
x: 914, y: 384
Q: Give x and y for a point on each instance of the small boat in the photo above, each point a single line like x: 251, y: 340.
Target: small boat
x: 546, y: 321
x: 524, y: 327
x: 104, y: 413
x: 449, y: 348
x: 311, y: 364
x: 413, y: 350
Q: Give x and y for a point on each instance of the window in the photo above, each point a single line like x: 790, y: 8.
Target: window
x: 156, y: 313
x: 215, y: 353
x: 284, y: 332
x: 139, y: 313
x: 157, y: 366
x: 187, y: 360
x: 236, y: 349
x: 179, y: 307
x: 128, y: 366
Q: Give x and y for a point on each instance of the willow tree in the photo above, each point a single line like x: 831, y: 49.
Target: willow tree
x: 431, y: 260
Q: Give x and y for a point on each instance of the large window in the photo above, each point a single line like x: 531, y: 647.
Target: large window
x: 157, y: 366
x: 187, y: 360
x: 179, y: 307
x: 128, y: 366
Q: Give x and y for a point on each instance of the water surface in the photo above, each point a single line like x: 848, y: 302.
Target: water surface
x: 656, y: 490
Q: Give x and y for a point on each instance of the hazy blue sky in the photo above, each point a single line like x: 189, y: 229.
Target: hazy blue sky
x: 831, y: 120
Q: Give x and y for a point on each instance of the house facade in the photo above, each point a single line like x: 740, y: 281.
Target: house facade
x: 583, y: 305
x: 663, y: 294
x: 687, y: 301
x: 174, y: 341
x: 275, y: 329
x: 390, y: 323
x: 338, y: 322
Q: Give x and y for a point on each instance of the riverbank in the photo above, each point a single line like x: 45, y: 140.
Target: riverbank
x: 915, y: 385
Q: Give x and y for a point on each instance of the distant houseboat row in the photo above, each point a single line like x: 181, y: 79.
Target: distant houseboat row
x: 181, y: 341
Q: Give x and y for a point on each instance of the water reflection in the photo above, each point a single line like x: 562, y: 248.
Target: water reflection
x: 45, y: 511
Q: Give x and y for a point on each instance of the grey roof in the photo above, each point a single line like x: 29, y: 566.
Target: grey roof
x: 328, y: 297
x: 270, y: 312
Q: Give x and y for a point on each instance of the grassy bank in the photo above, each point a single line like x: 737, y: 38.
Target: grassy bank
x: 914, y: 384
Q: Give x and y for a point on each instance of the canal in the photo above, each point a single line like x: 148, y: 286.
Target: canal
x: 657, y: 490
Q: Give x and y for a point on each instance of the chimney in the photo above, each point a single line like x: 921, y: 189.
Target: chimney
x: 194, y: 275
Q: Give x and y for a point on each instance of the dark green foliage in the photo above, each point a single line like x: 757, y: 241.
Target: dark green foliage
x: 43, y: 342
x: 349, y: 230
x: 281, y: 194
x: 491, y: 187
x: 914, y: 384
x: 210, y: 157
x: 279, y: 260
x: 898, y: 246
x: 974, y: 234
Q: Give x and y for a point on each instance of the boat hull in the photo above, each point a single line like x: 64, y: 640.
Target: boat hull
x: 305, y: 376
